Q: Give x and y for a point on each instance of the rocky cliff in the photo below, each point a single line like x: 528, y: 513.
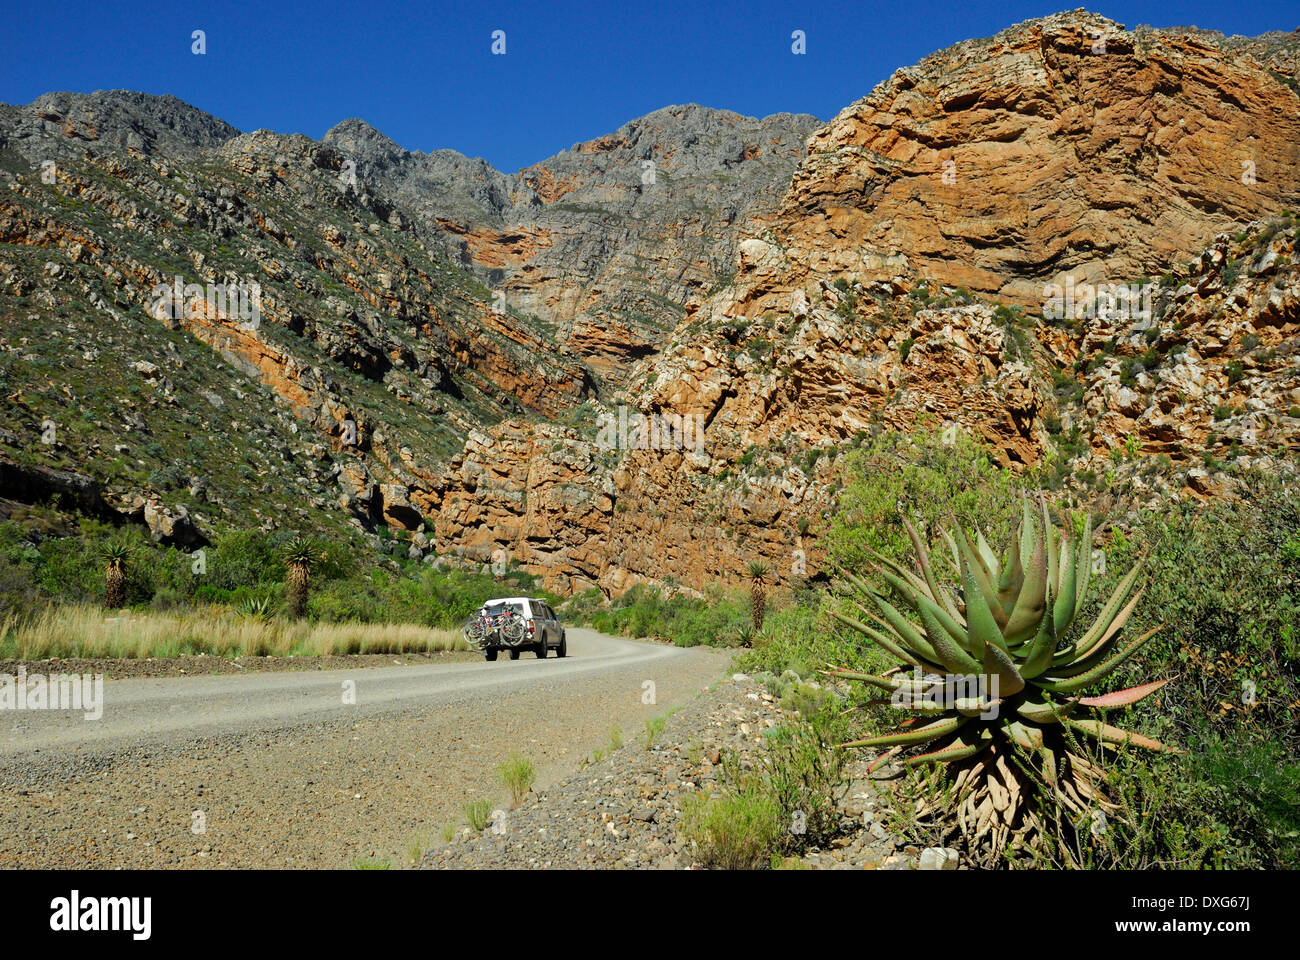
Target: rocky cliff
x: 375, y: 349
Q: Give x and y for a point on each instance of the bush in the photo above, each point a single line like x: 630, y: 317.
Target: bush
x: 1223, y: 806
x: 926, y: 477
x: 646, y: 611
x: 803, y: 771
x: 734, y: 831
x: 1224, y: 580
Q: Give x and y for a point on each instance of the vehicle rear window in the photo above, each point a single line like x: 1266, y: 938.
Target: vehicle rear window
x: 496, y: 609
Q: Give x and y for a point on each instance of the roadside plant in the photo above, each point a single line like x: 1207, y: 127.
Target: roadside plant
x: 477, y: 814
x: 654, y: 728
x: 758, y: 572
x: 517, y: 775
x: 733, y: 831
x: 1013, y: 748
x: 116, y: 555
x: 300, y: 555
x: 257, y: 608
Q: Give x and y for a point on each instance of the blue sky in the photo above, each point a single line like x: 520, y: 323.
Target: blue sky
x: 424, y: 73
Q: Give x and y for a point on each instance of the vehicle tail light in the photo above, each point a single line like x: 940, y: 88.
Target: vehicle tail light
x: 531, y: 628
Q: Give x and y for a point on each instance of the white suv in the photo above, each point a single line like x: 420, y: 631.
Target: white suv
x: 515, y: 624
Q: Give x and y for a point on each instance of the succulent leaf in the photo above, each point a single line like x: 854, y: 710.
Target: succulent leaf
x: 922, y: 734
x: 1124, y: 698
x: 1028, y: 611
x: 973, y: 570
x: 1071, y: 684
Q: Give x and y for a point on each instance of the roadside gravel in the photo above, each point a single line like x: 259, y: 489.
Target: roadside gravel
x: 624, y: 810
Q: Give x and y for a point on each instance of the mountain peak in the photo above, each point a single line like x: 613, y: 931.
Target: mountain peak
x: 144, y: 122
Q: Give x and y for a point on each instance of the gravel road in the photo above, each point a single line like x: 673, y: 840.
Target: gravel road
x: 279, y: 771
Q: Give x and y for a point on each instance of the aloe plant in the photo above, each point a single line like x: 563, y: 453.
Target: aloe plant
x: 1012, y: 624
x: 257, y: 608
x: 116, y: 556
x: 758, y: 572
x: 300, y: 555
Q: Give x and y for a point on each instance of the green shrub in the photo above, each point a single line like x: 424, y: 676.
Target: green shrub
x: 646, y: 611
x: 803, y: 771
x: 1222, y: 806
x: 804, y: 638
x: 1225, y: 582
x: 926, y: 474
x: 734, y: 831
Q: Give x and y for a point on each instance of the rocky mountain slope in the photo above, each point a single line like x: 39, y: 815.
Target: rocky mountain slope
x: 365, y: 344
x: 443, y: 348
x: 376, y: 349
x: 608, y: 240
x: 1063, y: 146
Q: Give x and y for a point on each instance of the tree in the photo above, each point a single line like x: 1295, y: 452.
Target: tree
x: 757, y: 592
x: 300, y: 555
x: 115, y: 555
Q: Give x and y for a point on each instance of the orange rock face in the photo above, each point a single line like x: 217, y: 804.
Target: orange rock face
x: 1060, y: 146
x: 500, y: 250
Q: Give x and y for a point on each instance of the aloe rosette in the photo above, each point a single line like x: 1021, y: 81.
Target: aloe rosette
x: 1012, y: 625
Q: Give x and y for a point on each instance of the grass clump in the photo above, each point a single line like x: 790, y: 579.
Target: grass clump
x: 86, y: 631
x: 517, y: 775
x: 477, y: 814
x: 654, y: 729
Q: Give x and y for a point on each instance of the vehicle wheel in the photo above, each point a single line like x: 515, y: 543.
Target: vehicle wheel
x: 514, y: 654
x: 489, y: 654
x: 540, y: 650
x: 563, y: 649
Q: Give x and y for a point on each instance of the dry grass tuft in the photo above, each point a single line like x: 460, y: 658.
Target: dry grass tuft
x: 85, y: 631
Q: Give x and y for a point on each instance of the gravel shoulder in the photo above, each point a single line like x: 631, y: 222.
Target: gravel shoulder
x: 624, y: 811
x: 281, y: 773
